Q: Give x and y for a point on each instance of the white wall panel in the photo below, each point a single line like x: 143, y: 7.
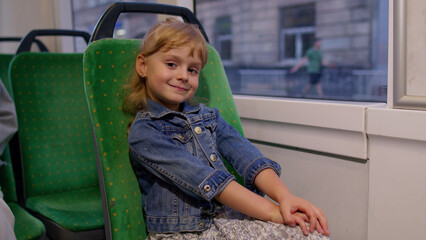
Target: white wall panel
x: 337, y: 186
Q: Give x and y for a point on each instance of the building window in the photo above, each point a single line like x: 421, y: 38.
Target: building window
x: 297, y: 30
x: 223, y: 36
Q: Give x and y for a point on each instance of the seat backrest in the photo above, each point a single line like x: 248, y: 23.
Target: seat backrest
x: 53, y: 122
x: 108, y: 65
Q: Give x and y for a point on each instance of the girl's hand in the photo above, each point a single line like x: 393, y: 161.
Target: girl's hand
x: 269, y: 183
x: 301, y: 220
x: 298, y: 211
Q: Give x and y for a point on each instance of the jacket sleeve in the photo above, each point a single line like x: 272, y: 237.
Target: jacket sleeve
x: 248, y: 161
x: 173, y: 163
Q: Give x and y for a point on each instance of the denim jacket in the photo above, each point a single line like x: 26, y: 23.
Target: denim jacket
x: 178, y: 160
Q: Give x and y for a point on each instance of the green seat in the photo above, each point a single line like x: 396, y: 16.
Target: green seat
x: 26, y: 225
x: 108, y: 65
x: 58, y: 160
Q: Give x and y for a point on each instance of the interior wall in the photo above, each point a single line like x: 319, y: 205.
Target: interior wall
x: 18, y: 17
x: 381, y: 199
x: 339, y: 187
x: 397, y: 192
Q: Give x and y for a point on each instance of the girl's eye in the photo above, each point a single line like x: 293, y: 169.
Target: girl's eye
x: 170, y: 64
x: 193, y: 71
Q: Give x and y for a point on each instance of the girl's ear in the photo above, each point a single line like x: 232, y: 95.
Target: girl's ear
x: 140, y: 65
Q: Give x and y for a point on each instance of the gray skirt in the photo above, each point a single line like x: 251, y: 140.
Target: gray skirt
x: 228, y: 224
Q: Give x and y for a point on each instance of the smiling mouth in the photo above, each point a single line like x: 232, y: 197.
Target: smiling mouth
x: 179, y: 88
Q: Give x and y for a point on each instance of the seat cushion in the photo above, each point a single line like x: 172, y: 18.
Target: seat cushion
x: 26, y: 225
x: 76, y: 210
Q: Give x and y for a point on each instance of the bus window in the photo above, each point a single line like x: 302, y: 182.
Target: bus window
x: 266, y: 39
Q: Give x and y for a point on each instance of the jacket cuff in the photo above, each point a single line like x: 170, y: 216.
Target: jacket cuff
x: 255, y: 168
x: 214, y: 184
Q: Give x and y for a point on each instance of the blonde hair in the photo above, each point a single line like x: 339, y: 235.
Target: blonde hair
x: 163, y: 36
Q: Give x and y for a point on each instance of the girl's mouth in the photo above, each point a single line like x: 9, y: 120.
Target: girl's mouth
x: 182, y: 89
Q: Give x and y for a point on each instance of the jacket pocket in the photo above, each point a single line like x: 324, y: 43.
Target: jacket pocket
x: 185, y: 138
x: 209, y: 123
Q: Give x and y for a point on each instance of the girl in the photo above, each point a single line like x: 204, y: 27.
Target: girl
x: 176, y: 152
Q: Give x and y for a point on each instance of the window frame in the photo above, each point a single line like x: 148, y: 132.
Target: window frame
x: 304, y: 124
x: 401, y: 99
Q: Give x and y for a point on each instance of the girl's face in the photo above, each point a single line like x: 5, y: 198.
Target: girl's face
x: 171, y: 76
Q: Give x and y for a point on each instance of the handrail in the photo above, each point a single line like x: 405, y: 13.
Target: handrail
x: 105, y: 26
x: 25, y: 45
x: 40, y: 45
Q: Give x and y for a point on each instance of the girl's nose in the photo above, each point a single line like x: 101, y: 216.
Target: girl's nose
x: 182, y: 75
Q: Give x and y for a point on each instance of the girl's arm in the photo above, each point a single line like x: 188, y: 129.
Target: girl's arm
x: 269, y: 183
x: 245, y: 201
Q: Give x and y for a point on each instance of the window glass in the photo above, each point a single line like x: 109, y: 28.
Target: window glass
x: 261, y: 42
x: 223, y: 37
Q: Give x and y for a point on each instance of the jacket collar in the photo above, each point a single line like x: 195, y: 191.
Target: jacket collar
x: 156, y: 110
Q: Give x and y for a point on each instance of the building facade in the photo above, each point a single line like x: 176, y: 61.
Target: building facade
x: 277, y: 32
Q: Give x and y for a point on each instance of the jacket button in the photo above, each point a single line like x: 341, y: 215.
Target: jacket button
x: 197, y: 130
x: 201, y: 224
x: 213, y: 158
x: 207, y: 188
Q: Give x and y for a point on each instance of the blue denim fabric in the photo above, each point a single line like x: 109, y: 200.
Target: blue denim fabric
x: 178, y: 160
